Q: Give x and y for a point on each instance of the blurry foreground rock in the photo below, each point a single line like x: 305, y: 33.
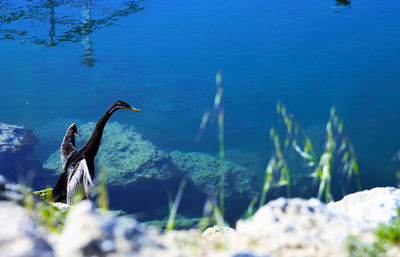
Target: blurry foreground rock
x: 296, y: 227
x: 370, y: 206
x: 17, y: 161
x: 10, y: 191
x: 283, y: 227
x: 19, y: 236
x: 89, y: 233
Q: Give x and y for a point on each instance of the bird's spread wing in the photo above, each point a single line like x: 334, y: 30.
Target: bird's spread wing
x: 79, y: 174
x: 68, y: 144
x: 65, y: 152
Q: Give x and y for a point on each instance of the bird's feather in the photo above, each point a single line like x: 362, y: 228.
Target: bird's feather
x: 79, y: 173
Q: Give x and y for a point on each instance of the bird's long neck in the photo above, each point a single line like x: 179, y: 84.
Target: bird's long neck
x: 92, y: 146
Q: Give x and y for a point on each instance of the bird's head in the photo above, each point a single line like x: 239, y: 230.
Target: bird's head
x: 72, y: 129
x: 122, y: 105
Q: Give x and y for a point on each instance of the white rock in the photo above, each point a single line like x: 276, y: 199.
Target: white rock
x: 217, y: 231
x: 295, y: 227
x: 18, y: 234
x: 370, y: 206
x: 89, y: 233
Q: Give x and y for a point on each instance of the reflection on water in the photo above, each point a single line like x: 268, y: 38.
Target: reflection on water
x: 340, y: 4
x: 52, y: 23
x: 343, y: 2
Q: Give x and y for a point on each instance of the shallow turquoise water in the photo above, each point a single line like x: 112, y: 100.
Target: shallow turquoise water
x: 162, y: 57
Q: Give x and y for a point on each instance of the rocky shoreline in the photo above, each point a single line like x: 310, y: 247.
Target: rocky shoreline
x: 283, y: 227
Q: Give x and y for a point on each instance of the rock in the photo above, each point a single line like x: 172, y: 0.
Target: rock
x: 295, y: 227
x: 133, y: 167
x: 372, y: 206
x: 251, y: 160
x: 283, y: 227
x: 17, y: 160
x: 15, y: 139
x: 10, y: 191
x: 204, y: 171
x: 18, y: 234
x: 218, y: 232
x: 180, y: 222
x: 248, y: 254
x: 305, y: 187
x: 124, y: 154
x: 89, y: 233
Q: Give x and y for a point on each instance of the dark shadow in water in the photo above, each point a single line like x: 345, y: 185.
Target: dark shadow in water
x: 341, y: 4
x: 57, y: 22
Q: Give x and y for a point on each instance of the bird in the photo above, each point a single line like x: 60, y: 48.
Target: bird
x: 81, y: 172
x: 78, y: 165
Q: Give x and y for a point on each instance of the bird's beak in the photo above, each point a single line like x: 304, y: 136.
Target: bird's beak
x: 133, y: 109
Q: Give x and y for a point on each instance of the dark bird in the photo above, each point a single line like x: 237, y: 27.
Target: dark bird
x: 78, y: 165
x: 80, y: 173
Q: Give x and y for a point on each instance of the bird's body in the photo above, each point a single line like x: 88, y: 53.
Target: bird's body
x: 78, y: 165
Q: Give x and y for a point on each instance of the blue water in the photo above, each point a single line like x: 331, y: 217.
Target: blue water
x: 162, y: 57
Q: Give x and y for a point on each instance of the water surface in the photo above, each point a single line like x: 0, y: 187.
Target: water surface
x: 72, y: 59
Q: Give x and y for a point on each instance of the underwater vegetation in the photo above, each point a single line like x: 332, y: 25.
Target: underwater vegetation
x: 217, y: 109
x: 336, y: 163
x: 337, y: 148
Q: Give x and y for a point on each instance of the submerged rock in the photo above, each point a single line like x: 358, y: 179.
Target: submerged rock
x: 17, y: 160
x: 372, y: 206
x: 16, y: 139
x: 251, y: 160
x: 139, y: 175
x: 204, y: 172
x: 124, y: 154
x: 128, y: 157
x: 180, y: 222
